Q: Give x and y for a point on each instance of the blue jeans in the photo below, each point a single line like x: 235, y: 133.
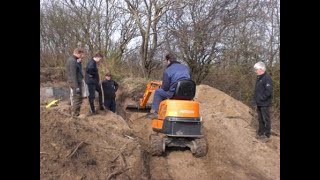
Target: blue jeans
x: 110, y: 104
x: 160, y: 95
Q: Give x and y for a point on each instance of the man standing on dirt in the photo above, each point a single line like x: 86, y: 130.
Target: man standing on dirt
x: 263, y: 99
x: 93, y: 81
x: 74, y: 80
x: 174, y: 72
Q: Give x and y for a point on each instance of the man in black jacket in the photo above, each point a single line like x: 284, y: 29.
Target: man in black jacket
x: 110, y: 88
x: 93, y: 81
x: 263, y: 99
x: 74, y: 80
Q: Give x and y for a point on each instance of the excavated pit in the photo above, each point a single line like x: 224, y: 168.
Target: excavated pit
x: 115, y: 145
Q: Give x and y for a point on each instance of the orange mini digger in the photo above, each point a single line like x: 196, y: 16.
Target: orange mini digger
x: 179, y: 123
x: 142, y: 104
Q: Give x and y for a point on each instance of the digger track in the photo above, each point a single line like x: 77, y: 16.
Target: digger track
x: 156, y: 145
x: 200, y: 147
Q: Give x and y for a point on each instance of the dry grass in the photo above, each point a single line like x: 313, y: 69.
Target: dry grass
x: 236, y: 80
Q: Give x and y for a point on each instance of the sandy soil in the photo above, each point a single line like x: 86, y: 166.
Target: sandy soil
x: 115, y: 145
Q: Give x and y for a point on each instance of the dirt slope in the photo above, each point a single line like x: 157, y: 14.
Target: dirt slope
x: 233, y: 151
x: 103, y: 146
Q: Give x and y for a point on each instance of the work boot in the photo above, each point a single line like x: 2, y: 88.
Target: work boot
x: 101, y: 108
x: 261, y: 136
x: 264, y: 139
x: 268, y: 135
x: 92, y: 113
x: 75, y: 114
x: 153, y: 115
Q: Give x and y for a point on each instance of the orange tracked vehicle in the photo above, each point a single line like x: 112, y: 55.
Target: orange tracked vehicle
x: 179, y: 123
x: 142, y: 104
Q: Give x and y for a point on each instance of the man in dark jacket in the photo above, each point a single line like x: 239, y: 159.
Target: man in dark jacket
x: 93, y: 81
x: 174, y: 72
x: 74, y: 80
x: 263, y: 99
x: 110, y: 88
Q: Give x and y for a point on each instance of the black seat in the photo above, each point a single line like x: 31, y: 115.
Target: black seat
x: 185, y: 90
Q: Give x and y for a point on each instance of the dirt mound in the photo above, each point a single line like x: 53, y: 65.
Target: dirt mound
x: 107, y: 144
x: 234, y: 152
x: 94, y: 147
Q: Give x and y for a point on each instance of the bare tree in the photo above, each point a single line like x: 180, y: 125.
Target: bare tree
x: 147, y: 14
x: 66, y: 24
x: 202, y: 33
x: 196, y: 29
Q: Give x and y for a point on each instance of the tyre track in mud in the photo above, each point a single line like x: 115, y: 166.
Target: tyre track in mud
x: 174, y: 163
x: 233, y: 150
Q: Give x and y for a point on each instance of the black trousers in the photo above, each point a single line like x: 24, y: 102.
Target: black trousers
x: 110, y: 103
x: 264, y: 121
x: 92, y: 90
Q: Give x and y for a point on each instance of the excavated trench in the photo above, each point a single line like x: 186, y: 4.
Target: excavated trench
x: 116, y: 146
x: 228, y: 127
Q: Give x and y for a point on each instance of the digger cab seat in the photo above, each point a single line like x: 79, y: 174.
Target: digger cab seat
x: 185, y: 90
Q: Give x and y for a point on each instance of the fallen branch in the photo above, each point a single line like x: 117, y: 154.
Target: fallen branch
x: 129, y: 137
x: 75, y: 150
x: 121, y: 150
x: 124, y: 160
x: 108, y: 148
x: 43, y: 153
x: 66, y: 114
x: 116, y: 157
x: 112, y: 148
x: 117, y: 173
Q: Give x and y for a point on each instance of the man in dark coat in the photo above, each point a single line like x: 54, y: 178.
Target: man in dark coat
x: 93, y: 81
x: 263, y: 99
x: 109, y: 88
x: 74, y: 79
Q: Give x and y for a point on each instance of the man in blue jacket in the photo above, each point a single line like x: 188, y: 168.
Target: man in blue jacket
x: 93, y: 81
x: 174, y: 72
x: 263, y: 99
